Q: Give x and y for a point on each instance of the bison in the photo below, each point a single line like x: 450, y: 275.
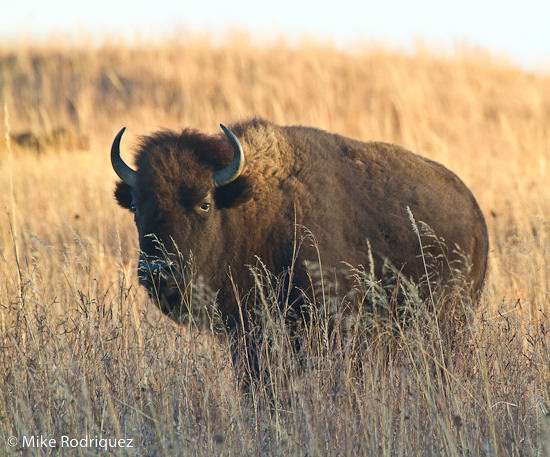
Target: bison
x: 231, y: 200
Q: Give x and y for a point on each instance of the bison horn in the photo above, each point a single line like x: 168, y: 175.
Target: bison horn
x: 123, y: 171
x: 235, y: 168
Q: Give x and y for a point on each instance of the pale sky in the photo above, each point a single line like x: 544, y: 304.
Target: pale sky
x: 519, y: 30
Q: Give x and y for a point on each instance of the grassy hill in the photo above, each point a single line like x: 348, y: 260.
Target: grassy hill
x: 84, y: 352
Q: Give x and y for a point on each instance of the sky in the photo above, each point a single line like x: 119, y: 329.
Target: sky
x: 517, y: 30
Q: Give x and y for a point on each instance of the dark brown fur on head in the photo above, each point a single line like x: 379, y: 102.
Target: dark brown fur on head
x: 179, y: 167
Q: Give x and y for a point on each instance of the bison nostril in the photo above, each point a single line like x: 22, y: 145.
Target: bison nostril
x: 159, y: 272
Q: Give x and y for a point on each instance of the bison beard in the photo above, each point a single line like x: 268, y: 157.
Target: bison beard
x: 212, y: 206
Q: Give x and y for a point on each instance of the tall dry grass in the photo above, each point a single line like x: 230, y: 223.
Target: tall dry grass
x: 83, y: 352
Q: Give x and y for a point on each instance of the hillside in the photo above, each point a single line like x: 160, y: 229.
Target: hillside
x: 84, y: 352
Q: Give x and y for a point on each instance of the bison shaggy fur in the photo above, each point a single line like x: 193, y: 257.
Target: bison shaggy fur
x: 351, y: 196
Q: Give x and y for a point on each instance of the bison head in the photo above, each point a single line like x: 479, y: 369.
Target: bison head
x: 181, y: 194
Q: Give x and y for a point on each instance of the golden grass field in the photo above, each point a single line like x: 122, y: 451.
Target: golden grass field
x: 84, y: 353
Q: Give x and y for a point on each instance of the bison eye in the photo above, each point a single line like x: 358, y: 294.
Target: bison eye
x: 133, y: 208
x: 205, y: 206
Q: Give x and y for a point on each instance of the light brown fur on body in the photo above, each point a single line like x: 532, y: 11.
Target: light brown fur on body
x: 344, y: 191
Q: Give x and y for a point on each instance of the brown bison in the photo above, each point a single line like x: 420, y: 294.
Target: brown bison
x: 230, y: 200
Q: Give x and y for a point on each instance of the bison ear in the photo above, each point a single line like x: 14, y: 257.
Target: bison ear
x: 235, y: 193
x: 123, y: 194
